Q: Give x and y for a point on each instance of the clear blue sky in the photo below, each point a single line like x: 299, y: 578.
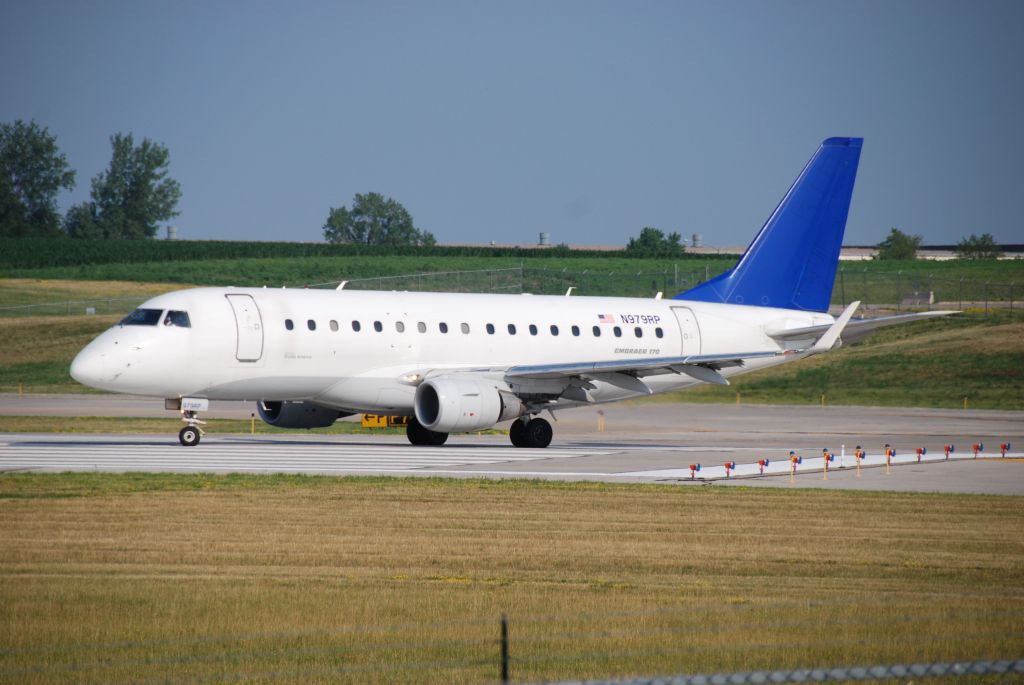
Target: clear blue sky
x: 495, y: 121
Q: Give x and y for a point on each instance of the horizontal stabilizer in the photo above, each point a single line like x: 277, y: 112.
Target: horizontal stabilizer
x: 826, y: 342
x: 856, y: 329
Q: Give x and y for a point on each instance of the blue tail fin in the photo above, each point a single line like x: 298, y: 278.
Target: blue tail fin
x: 792, y: 261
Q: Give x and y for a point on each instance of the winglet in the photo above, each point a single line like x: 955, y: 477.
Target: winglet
x: 826, y: 341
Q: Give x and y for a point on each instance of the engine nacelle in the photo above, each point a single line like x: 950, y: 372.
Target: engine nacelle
x: 455, y: 405
x: 297, y: 414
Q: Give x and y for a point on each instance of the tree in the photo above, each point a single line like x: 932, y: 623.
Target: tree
x: 653, y: 243
x: 32, y: 172
x: 899, y: 245
x: 374, y: 220
x: 978, y: 247
x: 130, y: 197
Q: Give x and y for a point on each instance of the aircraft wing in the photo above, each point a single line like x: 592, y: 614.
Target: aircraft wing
x: 856, y: 329
x: 703, y: 367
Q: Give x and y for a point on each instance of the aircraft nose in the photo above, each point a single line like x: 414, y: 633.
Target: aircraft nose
x: 87, y: 367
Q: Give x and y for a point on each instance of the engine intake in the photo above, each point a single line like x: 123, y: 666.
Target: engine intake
x: 297, y: 414
x: 455, y: 405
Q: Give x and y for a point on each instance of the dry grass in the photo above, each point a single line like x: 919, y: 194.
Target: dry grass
x: 293, y: 579
x: 20, y: 291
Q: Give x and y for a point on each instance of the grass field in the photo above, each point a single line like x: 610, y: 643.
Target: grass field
x: 929, y: 364
x: 175, y: 578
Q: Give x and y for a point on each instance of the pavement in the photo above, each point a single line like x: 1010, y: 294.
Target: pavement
x: 649, y: 442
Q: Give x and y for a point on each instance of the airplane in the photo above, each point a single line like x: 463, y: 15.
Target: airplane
x: 457, y: 362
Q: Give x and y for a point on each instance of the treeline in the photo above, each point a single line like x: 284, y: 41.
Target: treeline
x: 39, y: 253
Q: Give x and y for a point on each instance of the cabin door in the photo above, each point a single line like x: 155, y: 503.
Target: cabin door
x: 250, y: 328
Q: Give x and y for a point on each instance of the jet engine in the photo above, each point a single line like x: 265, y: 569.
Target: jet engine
x: 454, y: 405
x: 297, y: 414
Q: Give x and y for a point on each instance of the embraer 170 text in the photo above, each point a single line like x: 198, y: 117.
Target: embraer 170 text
x: 465, y: 362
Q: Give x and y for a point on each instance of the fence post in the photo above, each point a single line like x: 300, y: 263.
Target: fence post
x: 931, y: 293
x: 960, y: 296
x: 984, y: 294
x: 504, y: 649
x: 842, y: 284
x: 864, y: 295
x: 1011, y: 299
x: 899, y: 288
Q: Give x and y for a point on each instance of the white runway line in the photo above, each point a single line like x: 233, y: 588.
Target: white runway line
x: 84, y: 454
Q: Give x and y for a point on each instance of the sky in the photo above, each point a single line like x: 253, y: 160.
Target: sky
x: 488, y: 121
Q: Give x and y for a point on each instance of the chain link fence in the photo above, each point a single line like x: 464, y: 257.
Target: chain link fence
x: 891, y: 290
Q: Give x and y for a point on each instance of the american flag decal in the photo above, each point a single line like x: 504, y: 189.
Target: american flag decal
x: 605, y: 318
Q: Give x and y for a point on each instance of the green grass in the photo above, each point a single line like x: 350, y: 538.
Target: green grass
x: 929, y: 364
x: 271, y: 579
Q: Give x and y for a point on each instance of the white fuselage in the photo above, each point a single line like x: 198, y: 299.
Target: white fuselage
x: 238, y: 345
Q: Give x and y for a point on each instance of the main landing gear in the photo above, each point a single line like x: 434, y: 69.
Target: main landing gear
x: 530, y: 433
x: 418, y: 435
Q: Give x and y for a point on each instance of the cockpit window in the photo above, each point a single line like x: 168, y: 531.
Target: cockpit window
x: 142, y: 317
x: 174, y: 318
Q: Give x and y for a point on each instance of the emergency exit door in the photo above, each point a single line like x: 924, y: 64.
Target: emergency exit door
x: 249, y: 326
x: 689, y: 332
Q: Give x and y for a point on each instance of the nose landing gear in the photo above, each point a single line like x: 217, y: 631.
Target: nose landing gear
x: 189, y: 407
x: 189, y: 435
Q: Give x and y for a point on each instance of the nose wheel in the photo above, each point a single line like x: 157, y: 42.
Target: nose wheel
x: 189, y: 435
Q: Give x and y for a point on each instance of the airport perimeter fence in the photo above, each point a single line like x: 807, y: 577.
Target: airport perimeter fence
x: 887, y: 290
x: 743, y: 644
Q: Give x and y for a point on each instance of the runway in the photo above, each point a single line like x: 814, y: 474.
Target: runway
x: 639, y: 443
x: 490, y: 457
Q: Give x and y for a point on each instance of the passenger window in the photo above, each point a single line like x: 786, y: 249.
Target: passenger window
x: 554, y: 329
x: 533, y: 329
x: 490, y: 329
x: 356, y: 326
x: 659, y: 333
x: 639, y: 332
x: 288, y: 324
x: 311, y: 325
x: 378, y: 326
x: 617, y: 331
x: 421, y: 327
x: 597, y: 331
x: 334, y: 325
x: 142, y: 317
x: 400, y: 327
x: 179, y: 319
x: 576, y: 331
x: 511, y: 329
x: 443, y: 327
x: 465, y: 328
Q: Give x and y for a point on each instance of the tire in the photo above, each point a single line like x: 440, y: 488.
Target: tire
x: 189, y: 436
x: 517, y: 433
x: 539, y: 433
x: 418, y: 435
